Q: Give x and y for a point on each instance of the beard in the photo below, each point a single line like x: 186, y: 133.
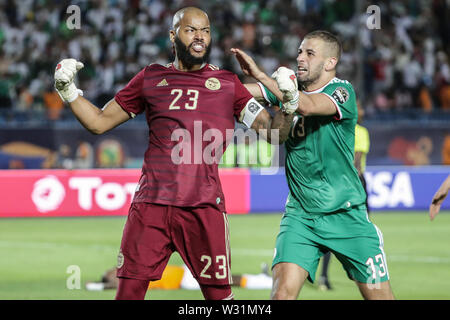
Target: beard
x: 184, y: 55
x: 312, y: 78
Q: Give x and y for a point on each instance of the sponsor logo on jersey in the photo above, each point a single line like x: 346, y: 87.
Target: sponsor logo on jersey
x: 212, y: 84
x: 162, y: 83
x: 341, y: 95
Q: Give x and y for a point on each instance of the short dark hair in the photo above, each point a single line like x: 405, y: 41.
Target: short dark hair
x: 329, y: 38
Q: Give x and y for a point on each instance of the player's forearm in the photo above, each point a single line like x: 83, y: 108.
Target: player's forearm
x: 88, y: 115
x: 254, y: 90
x: 445, y: 187
x: 306, y: 105
x: 281, y: 121
x: 317, y: 104
x: 446, y: 183
x: 274, y: 130
x: 271, y: 84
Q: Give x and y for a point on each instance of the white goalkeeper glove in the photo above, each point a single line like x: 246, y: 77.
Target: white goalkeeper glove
x: 65, y: 71
x: 287, y: 83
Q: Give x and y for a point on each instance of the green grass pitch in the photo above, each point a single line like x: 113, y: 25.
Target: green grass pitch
x: 36, y: 255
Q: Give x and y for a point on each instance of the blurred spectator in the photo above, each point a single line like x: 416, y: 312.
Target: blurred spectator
x: 53, y: 103
x: 425, y: 101
x: 118, y: 37
x: 444, y: 96
x: 24, y: 98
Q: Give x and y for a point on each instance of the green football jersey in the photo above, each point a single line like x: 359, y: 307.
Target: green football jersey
x: 320, y: 153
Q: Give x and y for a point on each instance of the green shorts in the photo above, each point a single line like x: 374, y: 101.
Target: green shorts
x: 355, y: 241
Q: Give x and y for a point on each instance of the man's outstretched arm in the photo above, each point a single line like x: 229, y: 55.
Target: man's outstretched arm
x: 264, y: 124
x: 94, y: 119
x: 250, y: 68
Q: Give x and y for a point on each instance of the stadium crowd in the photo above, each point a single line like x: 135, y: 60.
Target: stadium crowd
x: 405, y: 62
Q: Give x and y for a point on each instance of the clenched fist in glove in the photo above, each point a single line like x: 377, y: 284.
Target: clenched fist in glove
x: 65, y: 72
x: 287, y: 83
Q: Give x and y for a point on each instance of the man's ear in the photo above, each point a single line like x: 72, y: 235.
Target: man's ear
x: 172, y: 36
x: 331, y: 64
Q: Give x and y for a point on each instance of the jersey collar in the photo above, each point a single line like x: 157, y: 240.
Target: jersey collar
x: 320, y: 89
x: 175, y: 66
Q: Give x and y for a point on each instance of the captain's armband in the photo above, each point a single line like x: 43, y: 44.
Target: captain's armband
x: 250, y: 112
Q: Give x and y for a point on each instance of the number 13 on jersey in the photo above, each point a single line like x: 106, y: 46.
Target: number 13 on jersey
x: 376, y: 268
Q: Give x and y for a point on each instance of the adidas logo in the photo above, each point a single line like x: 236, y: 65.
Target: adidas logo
x: 162, y: 83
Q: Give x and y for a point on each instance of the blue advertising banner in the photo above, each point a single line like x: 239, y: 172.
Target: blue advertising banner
x: 389, y: 188
x: 404, y: 188
x: 268, y: 193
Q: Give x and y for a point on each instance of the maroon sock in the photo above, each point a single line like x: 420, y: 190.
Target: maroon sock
x: 217, y: 292
x: 131, y: 289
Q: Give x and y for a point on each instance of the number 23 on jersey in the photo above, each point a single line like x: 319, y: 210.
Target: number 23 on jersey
x: 178, y: 93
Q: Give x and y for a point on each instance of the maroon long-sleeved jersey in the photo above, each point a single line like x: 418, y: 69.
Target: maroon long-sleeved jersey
x: 191, y: 117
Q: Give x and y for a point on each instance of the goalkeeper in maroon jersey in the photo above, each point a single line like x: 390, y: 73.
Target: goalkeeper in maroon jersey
x: 190, y: 107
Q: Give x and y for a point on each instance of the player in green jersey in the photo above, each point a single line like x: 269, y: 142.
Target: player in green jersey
x: 325, y: 209
x: 362, y: 145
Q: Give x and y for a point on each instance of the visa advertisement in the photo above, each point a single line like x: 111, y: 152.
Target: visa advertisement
x: 109, y: 192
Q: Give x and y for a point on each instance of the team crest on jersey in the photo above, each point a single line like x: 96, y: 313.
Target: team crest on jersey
x: 341, y: 95
x: 212, y: 84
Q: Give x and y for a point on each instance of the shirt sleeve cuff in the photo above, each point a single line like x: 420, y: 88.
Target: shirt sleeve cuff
x: 121, y: 104
x: 338, y: 116
x: 263, y: 91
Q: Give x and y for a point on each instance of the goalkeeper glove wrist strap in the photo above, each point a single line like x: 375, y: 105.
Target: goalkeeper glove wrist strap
x: 70, y: 93
x: 292, y: 105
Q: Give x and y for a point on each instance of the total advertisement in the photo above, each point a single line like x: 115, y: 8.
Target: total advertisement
x: 100, y: 192
x: 109, y: 192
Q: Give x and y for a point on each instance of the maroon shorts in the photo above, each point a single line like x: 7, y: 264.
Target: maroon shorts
x: 153, y: 232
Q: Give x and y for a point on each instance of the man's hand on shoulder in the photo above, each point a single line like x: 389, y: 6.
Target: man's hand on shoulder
x: 65, y: 72
x: 248, y: 65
